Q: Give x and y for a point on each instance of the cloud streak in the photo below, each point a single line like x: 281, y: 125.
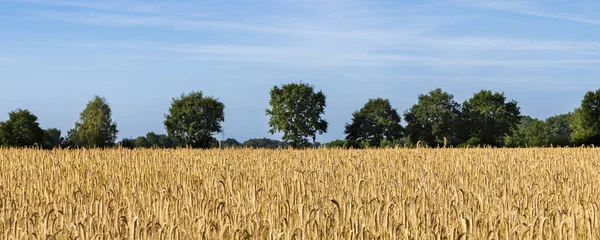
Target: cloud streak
x: 315, y: 42
x: 526, y: 8
x: 318, y: 58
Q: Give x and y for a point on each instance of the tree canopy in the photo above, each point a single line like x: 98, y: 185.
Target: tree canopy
x: 531, y: 132
x: 373, y: 123
x: 21, y: 130
x: 559, y: 127
x: 95, y: 127
x: 434, y: 119
x: 194, y: 118
x: 586, y: 120
x: 488, y: 117
x: 230, y: 142
x: 297, y: 111
x: 153, y: 140
x: 264, y: 143
x: 52, y: 138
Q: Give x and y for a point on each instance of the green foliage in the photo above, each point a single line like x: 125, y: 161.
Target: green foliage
x: 489, y: 118
x: 127, y: 143
x: 161, y: 140
x: 374, y: 122
x: 21, y: 130
x: 231, y: 143
x: 52, y: 138
x: 531, y: 132
x: 537, y: 134
x: 517, y: 137
x: 153, y: 140
x: 194, y: 118
x: 435, y: 117
x: 402, y: 142
x: 474, y: 142
x: 95, y: 127
x: 296, y: 110
x: 560, y: 130
x: 264, y: 143
x: 340, y: 143
x: 142, y: 142
x: 586, y: 120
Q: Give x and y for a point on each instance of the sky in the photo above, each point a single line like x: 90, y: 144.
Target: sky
x: 55, y: 55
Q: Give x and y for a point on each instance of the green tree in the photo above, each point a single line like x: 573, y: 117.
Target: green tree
x: 127, y: 143
x: 586, y: 120
x: 194, y: 118
x: 153, y: 140
x: 264, y: 143
x: 52, y: 138
x: 142, y: 142
x: 230, y: 142
x: 537, y: 134
x: 161, y: 140
x: 95, y: 127
x: 434, y: 119
x: 517, y: 137
x: 296, y: 110
x: 71, y: 139
x: 560, y: 130
x: 21, y: 130
x: 489, y: 118
x: 374, y: 122
x: 339, y: 143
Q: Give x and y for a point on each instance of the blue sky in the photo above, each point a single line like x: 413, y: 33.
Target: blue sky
x: 56, y: 55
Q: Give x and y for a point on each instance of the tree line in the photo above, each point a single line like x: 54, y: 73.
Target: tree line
x: 297, y: 110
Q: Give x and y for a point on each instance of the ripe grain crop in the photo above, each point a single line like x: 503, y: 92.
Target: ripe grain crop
x: 300, y: 194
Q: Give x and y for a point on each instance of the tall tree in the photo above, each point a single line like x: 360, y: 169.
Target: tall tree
x: 586, y: 120
x: 488, y: 117
x: 95, y: 127
x: 194, y: 118
x: 374, y: 122
x: 264, y: 143
x: 296, y: 110
x: 517, y: 136
x: 530, y: 132
x: 537, y: 133
x: 434, y: 119
x: 21, y: 130
x: 142, y: 142
x: 155, y: 141
x: 230, y: 142
x: 52, y: 138
x: 560, y: 130
x: 339, y: 143
x: 127, y: 143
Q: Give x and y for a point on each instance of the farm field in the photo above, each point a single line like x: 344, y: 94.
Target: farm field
x: 300, y: 194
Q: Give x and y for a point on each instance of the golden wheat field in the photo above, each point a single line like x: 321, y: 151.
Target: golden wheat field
x: 300, y: 194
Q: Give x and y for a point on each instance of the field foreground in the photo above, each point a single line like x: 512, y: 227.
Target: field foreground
x: 300, y: 194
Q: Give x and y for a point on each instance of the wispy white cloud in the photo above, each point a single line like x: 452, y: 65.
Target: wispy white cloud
x: 531, y: 8
x: 319, y: 34
x: 116, y: 6
x: 124, y: 20
x: 327, y: 58
x: 588, y: 53
x: 474, y: 43
x: 315, y: 35
x: 321, y: 41
x: 314, y: 55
